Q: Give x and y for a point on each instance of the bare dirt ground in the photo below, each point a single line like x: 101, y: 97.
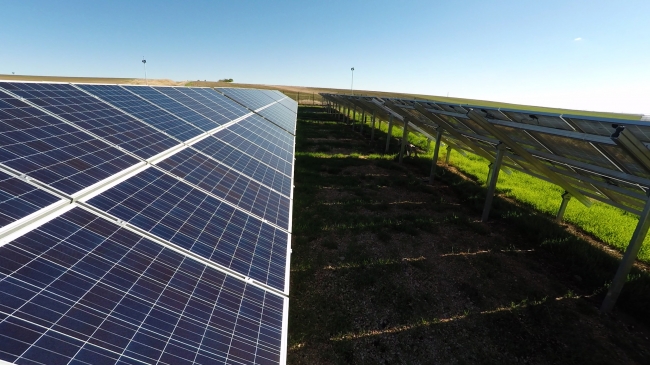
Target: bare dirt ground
x: 389, y: 270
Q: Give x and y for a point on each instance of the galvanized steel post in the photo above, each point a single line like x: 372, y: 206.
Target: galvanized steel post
x: 434, y: 160
x: 405, y: 134
x: 560, y: 213
x: 390, y: 131
x: 628, y: 259
x: 493, y: 176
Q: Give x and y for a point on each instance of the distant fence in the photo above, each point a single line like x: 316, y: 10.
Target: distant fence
x: 304, y: 98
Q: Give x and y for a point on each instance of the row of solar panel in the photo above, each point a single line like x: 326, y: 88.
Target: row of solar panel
x: 61, y: 154
x: 570, y: 145
x: 79, y: 280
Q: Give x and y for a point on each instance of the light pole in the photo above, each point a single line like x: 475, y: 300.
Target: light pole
x: 144, y: 63
x: 352, y: 84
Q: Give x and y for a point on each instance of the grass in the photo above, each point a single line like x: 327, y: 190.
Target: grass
x: 388, y: 269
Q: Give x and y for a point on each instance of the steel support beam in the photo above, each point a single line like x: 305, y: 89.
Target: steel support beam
x: 565, y: 201
x: 434, y: 160
x: 363, y: 120
x: 372, y: 132
x: 493, y: 176
x: 405, y: 134
x: 628, y: 259
x: 440, y: 120
x: 633, y: 146
x: 519, y: 150
x: 390, y: 131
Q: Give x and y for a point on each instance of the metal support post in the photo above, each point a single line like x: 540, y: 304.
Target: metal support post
x: 390, y: 131
x: 448, y: 155
x: 428, y: 143
x: 372, y: 132
x: 493, y: 176
x: 405, y: 134
x: 628, y: 259
x: 560, y: 213
x: 435, y: 155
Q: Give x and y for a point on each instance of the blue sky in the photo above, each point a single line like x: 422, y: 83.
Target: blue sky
x: 592, y: 55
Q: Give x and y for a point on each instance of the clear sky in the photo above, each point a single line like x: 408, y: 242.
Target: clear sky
x: 592, y: 55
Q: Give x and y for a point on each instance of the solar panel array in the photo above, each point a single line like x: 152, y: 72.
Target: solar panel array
x: 144, y: 225
x: 579, y: 149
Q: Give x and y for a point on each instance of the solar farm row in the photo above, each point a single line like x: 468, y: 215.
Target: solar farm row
x: 144, y: 225
x: 596, y: 158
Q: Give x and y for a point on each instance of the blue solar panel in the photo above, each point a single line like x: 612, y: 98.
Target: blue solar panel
x: 281, y: 116
x: 215, y: 113
x: 254, y: 150
x: 216, y: 101
x: 256, y: 99
x: 252, y: 98
x: 176, y: 107
x: 19, y: 199
x: 266, y: 135
x: 95, y: 116
x: 193, y: 220
x: 244, y: 163
x: 82, y: 290
x: 201, y: 286
x: 53, y: 151
x: 228, y: 184
x: 144, y: 110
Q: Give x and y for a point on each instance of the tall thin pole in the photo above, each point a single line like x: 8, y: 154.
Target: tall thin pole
x: 144, y: 64
x: 352, y: 84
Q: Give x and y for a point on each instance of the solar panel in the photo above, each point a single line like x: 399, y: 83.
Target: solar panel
x: 19, y: 199
x: 106, y: 258
x: 203, y: 122
x: 226, y: 183
x: 54, y: 152
x: 80, y: 289
x: 199, y: 223
x: 253, y: 99
x: 144, y: 110
x: 261, y: 170
x: 95, y: 116
x: 259, y: 101
x: 215, y: 101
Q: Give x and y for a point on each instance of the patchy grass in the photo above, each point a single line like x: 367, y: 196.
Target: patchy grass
x: 389, y: 270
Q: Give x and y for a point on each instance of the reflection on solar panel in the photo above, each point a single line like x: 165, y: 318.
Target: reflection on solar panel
x: 142, y: 225
x: 601, y: 158
x: 281, y: 112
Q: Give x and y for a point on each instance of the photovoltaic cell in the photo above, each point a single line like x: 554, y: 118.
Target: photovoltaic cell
x: 19, y: 199
x: 144, y: 110
x: 253, y: 99
x: 215, y: 101
x: 280, y: 116
x: 267, y: 134
x: 82, y: 290
x: 176, y: 107
x: 262, y: 135
x: 95, y: 116
x: 190, y: 102
x: 228, y: 184
x: 254, y: 150
x: 238, y: 160
x: 52, y: 151
x: 193, y: 220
